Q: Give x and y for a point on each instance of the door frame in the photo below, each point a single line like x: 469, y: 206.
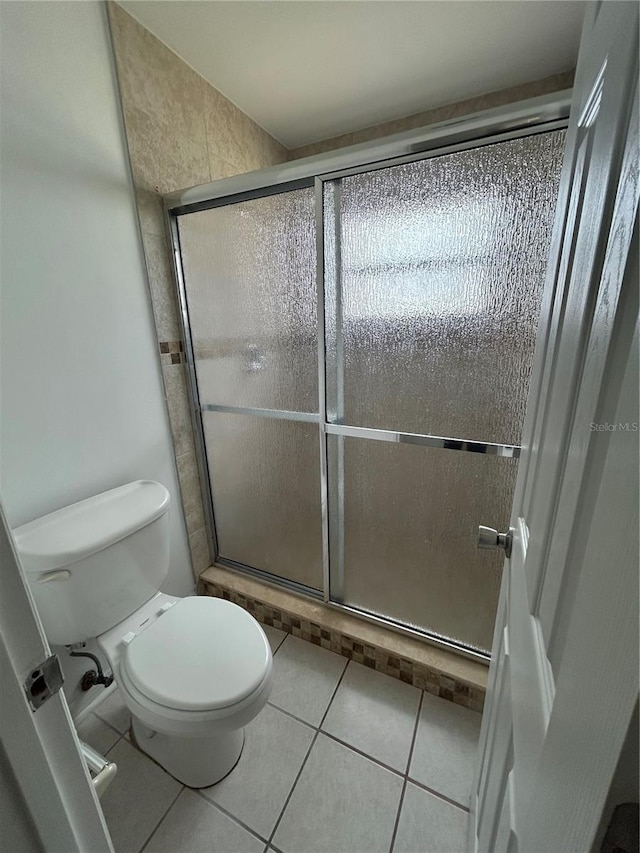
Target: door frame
x: 537, y: 115
x: 42, y: 746
x: 566, y: 683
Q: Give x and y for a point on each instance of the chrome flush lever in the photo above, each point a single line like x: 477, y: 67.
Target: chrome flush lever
x: 490, y: 538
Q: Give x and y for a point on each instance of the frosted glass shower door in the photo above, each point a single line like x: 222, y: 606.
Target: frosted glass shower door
x: 433, y: 280
x: 250, y: 281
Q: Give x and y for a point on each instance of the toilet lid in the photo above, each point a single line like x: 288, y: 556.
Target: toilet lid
x: 203, y: 653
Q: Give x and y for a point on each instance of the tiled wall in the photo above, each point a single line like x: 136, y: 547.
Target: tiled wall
x: 555, y: 83
x: 180, y: 132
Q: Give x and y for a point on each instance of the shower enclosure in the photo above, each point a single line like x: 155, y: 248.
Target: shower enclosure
x: 360, y: 331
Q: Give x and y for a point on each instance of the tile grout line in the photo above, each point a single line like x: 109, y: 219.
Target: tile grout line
x: 156, y: 827
x: 406, y: 774
x: 403, y: 774
x: 415, y: 782
x: 439, y: 796
x: 293, y: 716
x: 228, y: 814
x: 110, y: 725
x: 361, y: 752
x: 396, y: 823
x: 206, y: 133
x: 317, y: 729
x: 111, y: 748
x: 295, y: 782
x: 333, y: 695
x: 415, y: 734
x: 279, y: 646
x: 173, y: 802
x: 306, y: 758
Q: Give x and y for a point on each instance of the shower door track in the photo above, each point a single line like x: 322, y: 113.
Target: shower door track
x: 538, y: 115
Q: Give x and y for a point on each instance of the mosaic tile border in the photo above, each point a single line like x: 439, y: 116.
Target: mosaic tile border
x: 411, y: 672
x: 172, y: 352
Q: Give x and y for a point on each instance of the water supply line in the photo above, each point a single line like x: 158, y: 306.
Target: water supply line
x: 92, y: 676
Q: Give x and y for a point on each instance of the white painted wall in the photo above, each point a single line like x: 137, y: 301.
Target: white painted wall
x: 81, y: 388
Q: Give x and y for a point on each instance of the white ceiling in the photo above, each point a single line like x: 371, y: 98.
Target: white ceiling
x: 307, y: 70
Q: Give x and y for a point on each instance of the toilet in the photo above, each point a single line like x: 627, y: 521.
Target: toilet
x: 193, y: 671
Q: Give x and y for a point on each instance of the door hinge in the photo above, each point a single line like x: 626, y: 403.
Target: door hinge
x: 43, y: 682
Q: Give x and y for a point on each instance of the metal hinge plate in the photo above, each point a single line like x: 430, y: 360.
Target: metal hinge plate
x: 43, y: 682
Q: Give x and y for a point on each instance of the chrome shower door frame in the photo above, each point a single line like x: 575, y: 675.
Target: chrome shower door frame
x: 539, y: 115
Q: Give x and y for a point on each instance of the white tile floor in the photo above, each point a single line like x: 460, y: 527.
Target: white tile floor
x: 342, y: 760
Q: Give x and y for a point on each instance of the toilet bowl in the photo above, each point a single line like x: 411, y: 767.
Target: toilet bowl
x: 193, y: 671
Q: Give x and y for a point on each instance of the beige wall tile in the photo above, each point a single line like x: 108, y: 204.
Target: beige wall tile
x: 191, y: 491
x: 162, y: 158
x: 155, y: 80
x: 263, y: 149
x: 225, y: 129
x: 178, y: 404
x: 232, y: 137
x: 200, y: 558
x: 150, y: 211
x: 221, y: 168
x: 165, y: 304
x: 162, y: 102
x: 181, y: 132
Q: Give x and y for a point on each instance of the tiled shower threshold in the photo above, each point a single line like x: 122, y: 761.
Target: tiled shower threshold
x: 437, y: 671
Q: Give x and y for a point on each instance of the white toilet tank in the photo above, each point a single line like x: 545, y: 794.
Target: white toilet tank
x: 92, y: 564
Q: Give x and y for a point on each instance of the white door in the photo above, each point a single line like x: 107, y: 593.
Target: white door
x: 564, y: 673
x: 41, y: 747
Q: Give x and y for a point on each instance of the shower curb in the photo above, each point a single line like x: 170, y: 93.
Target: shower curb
x: 439, y: 672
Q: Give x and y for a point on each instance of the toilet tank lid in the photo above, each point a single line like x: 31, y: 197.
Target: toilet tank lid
x: 74, y: 532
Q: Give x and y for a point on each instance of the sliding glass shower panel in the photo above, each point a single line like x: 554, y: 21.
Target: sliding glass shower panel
x: 409, y: 538
x: 434, y: 280
x: 250, y: 281
x: 434, y: 271
x: 250, y: 273
x: 266, y: 494
x: 433, y: 275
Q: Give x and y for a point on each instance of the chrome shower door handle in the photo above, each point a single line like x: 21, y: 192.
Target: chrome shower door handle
x: 489, y: 538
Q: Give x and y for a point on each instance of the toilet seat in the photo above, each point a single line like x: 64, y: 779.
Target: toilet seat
x: 194, y: 723
x: 202, y: 655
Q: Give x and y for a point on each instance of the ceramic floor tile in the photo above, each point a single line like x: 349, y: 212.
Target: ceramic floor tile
x: 137, y: 798
x: 256, y: 789
x: 275, y: 636
x: 113, y: 711
x: 304, y: 678
x: 193, y: 825
x: 374, y: 713
x: 97, y: 734
x: 342, y: 802
x: 429, y: 824
x: 444, y: 755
